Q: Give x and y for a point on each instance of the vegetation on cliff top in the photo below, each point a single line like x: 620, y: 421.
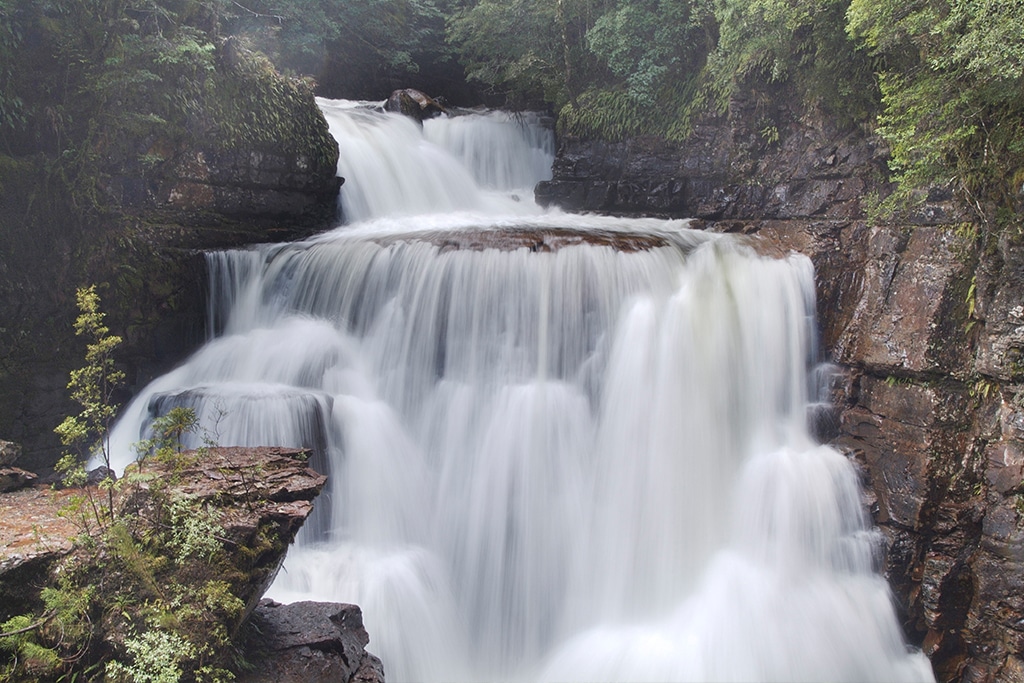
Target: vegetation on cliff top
x: 942, y: 81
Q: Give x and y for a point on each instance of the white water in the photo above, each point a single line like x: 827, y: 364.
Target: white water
x: 579, y: 464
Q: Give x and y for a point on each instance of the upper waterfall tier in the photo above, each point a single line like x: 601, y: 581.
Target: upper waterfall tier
x: 392, y: 165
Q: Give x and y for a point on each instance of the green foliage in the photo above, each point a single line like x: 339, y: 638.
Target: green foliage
x: 19, y: 640
x: 195, y: 531
x: 92, y: 387
x: 616, y: 115
x: 253, y: 107
x: 627, y: 67
x: 110, y: 90
x: 651, y: 44
x: 516, y: 47
x: 167, y: 433
x: 802, y: 42
x: 155, y: 656
x: 150, y: 597
x: 41, y: 646
x: 952, y: 80
x: 353, y: 44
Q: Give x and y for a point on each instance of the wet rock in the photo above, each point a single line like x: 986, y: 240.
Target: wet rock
x: 532, y: 238
x: 100, y: 474
x: 913, y: 317
x: 414, y: 104
x: 724, y: 170
x: 309, y: 642
x: 999, y: 292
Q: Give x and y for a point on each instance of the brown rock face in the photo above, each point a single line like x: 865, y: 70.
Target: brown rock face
x: 414, y: 104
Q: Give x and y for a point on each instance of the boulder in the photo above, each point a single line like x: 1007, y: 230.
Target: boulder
x: 13, y: 478
x: 309, y: 642
x: 414, y: 104
x: 261, y: 497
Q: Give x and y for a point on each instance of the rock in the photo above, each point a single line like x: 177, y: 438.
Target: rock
x: 264, y: 496
x: 9, y: 452
x: 254, y: 163
x: 309, y: 642
x: 414, y: 104
x: 100, y: 474
x: 913, y: 318
x: 816, y: 170
x: 12, y: 478
x: 537, y: 239
x: 259, y: 497
x: 32, y: 538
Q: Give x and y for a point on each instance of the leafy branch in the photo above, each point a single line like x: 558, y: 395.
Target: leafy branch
x: 92, y: 387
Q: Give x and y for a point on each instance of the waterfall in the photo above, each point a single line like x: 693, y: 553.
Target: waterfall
x: 559, y: 447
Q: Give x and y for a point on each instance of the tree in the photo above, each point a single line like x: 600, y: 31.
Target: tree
x: 349, y: 47
x: 952, y: 81
x: 514, y: 47
x: 92, y: 387
x: 651, y: 44
x: 800, y: 42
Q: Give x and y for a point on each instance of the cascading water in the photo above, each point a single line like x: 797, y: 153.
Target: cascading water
x: 559, y: 447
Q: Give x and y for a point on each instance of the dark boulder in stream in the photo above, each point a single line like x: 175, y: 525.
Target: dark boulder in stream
x: 414, y: 104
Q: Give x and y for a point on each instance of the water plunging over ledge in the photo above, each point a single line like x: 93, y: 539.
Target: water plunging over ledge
x: 559, y: 447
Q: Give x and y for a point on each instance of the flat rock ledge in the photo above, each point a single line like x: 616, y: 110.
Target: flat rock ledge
x: 255, y: 488
x: 259, y: 492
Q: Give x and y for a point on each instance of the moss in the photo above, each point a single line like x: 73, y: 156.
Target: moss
x: 255, y: 107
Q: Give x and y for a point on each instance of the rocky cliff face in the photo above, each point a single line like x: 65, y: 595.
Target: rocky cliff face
x: 924, y: 323
x: 728, y: 168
